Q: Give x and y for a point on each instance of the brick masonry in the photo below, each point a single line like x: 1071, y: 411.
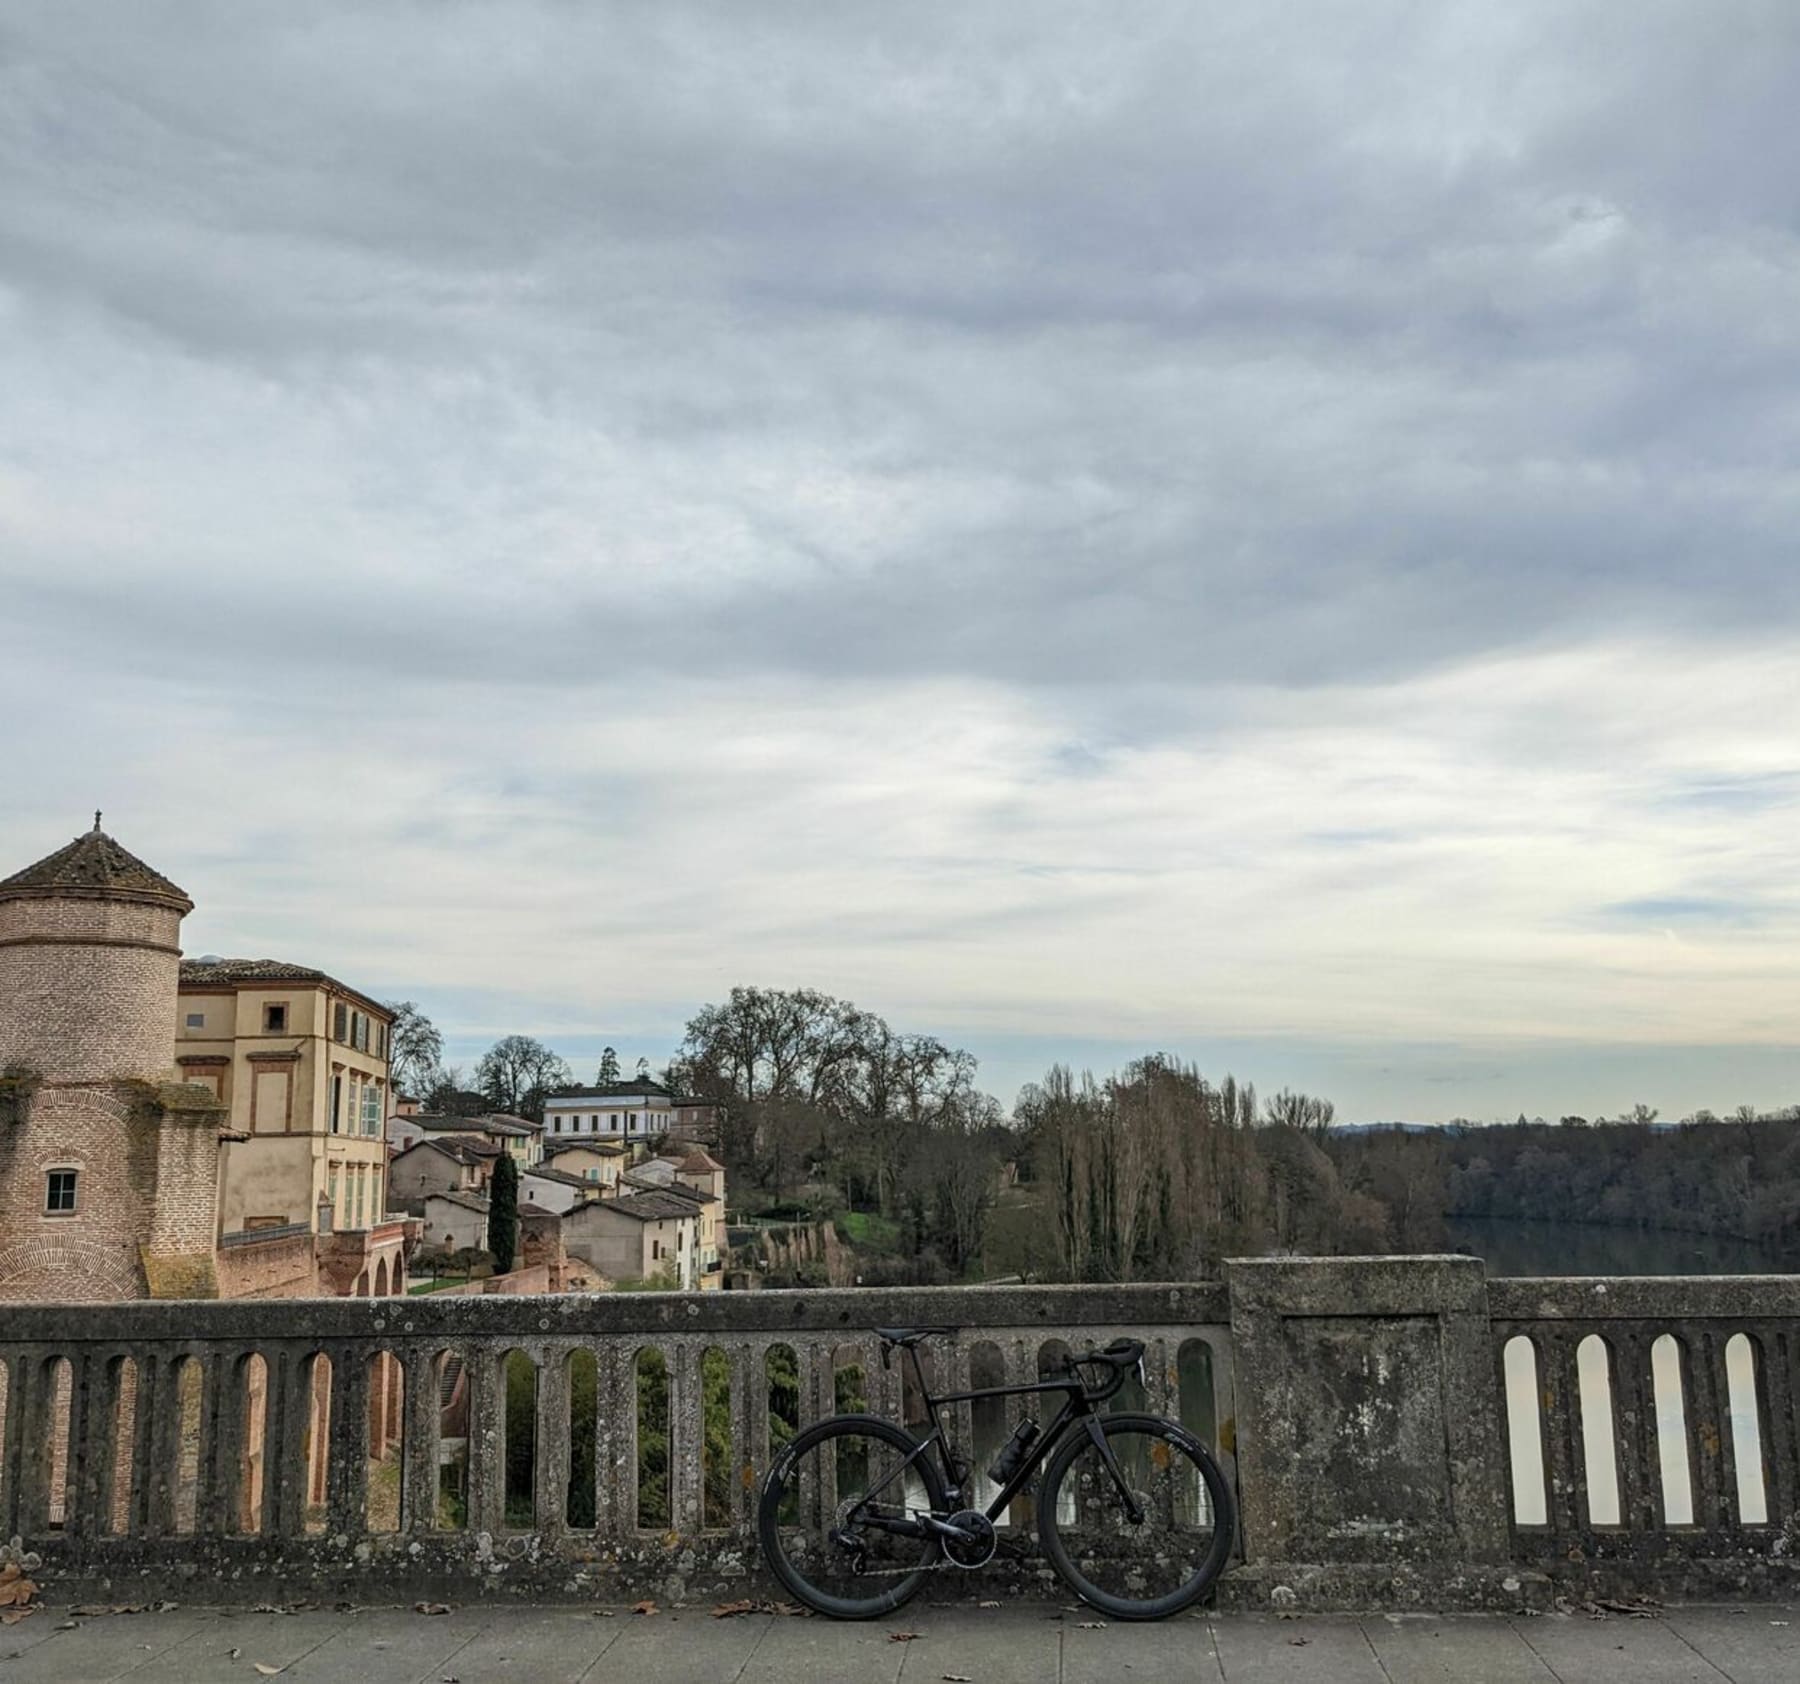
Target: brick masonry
x: 88, y: 988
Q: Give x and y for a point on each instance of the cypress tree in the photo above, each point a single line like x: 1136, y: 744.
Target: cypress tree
x: 503, y: 1213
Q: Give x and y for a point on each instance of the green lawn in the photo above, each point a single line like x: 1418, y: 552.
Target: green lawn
x: 870, y: 1231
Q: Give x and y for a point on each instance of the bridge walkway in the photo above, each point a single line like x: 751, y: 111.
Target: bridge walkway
x: 1017, y: 1643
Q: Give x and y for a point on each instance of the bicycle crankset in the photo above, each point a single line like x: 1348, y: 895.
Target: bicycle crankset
x: 976, y: 1546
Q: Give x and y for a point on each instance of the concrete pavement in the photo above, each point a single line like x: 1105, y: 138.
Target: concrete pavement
x: 1017, y: 1643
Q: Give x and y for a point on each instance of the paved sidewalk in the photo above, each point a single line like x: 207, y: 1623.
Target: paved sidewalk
x: 1020, y: 1643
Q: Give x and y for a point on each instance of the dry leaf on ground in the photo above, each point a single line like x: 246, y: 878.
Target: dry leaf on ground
x: 644, y: 1607
x: 987, y: 1604
x: 904, y: 1636
x: 1090, y: 1625
x: 265, y: 1669
x: 956, y: 1678
x: 725, y: 1610
x: 431, y: 1607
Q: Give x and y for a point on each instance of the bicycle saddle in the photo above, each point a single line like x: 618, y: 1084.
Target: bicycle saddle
x: 908, y: 1336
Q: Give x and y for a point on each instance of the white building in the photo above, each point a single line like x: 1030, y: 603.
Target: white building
x: 637, y: 1110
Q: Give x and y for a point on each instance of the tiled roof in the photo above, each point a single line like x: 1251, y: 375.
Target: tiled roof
x: 199, y: 973
x: 699, y: 1162
x: 682, y: 1190
x: 468, y: 1201
x: 94, y: 867
x: 659, y: 1206
x: 437, y: 1122
x: 565, y: 1178
x: 563, y: 1143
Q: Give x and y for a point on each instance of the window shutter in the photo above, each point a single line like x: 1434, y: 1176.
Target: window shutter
x: 340, y: 1022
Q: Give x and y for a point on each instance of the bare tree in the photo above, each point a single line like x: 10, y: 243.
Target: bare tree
x: 415, y: 1049
x: 517, y: 1073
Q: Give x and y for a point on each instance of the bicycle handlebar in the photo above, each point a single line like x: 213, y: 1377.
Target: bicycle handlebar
x: 1119, y: 1358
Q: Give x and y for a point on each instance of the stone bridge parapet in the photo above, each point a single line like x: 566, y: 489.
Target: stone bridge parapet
x: 1402, y: 1432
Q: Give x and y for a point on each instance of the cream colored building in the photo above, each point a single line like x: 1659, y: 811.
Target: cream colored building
x: 300, y: 1061
x: 637, y: 1238
x: 597, y: 1161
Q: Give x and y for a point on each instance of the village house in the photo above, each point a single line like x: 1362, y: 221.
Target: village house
x: 640, y: 1237
x: 598, y: 1161
x: 446, y: 1163
x: 456, y: 1221
x: 518, y: 1137
x: 556, y: 1189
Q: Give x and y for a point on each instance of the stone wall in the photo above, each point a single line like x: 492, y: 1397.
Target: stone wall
x: 269, y: 1263
x: 1363, y: 1409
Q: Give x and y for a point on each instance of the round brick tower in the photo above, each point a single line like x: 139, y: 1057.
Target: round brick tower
x: 89, y: 962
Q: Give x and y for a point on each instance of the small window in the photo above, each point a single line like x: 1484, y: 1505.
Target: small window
x: 196, y: 1020
x: 59, y: 1195
x: 275, y: 1020
x: 340, y: 1022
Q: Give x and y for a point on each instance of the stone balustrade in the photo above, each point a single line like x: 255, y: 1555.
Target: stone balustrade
x: 1375, y: 1414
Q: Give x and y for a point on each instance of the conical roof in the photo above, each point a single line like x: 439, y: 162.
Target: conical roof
x: 94, y: 867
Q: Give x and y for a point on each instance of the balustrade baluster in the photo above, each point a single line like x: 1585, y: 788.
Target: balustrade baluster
x: 422, y: 1408
x: 160, y: 1400
x: 88, y: 1444
x: 221, y: 1443
x: 1635, y: 1433
x: 487, y: 1437
x: 1778, y: 1404
x: 1702, y: 1370
x: 615, y: 1462
x: 286, y: 1469
x: 551, y: 1480
x: 28, y: 1439
x: 347, y: 1474
x: 1561, y: 1433
x: 746, y: 1461
x: 687, y: 1435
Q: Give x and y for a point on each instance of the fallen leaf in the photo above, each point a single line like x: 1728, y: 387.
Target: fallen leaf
x: 903, y: 1636
x: 431, y: 1607
x: 1299, y: 1642
x: 987, y: 1604
x: 265, y: 1669
x: 725, y: 1610
x: 12, y: 1616
x: 1090, y: 1625
x: 956, y: 1678
x: 644, y: 1607
x: 70, y: 1625
x: 15, y: 1589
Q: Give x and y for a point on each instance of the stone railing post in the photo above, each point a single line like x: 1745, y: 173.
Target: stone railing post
x: 1369, y: 1442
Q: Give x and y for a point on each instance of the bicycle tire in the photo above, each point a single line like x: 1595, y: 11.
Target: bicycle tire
x: 777, y: 1485
x: 1224, y: 1511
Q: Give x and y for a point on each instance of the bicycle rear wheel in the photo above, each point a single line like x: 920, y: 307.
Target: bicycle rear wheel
x: 827, y: 1512
x: 1160, y: 1564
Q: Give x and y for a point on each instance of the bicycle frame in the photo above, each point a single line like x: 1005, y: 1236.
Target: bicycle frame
x: 1077, y: 1406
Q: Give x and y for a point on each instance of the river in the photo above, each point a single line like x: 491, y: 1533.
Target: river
x: 1517, y: 1247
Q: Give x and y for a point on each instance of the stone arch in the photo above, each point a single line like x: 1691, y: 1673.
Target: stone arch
x: 381, y: 1278
x: 68, y: 1270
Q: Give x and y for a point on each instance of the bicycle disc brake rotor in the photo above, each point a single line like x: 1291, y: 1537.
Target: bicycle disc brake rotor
x: 978, y: 1549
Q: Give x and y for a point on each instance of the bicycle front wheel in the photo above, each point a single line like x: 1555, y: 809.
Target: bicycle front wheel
x: 839, y: 1518
x: 1167, y: 1558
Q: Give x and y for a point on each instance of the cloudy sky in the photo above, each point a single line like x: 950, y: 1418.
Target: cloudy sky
x: 1265, y: 531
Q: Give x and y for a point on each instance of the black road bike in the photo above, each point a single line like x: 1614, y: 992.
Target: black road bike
x: 1133, y: 1511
